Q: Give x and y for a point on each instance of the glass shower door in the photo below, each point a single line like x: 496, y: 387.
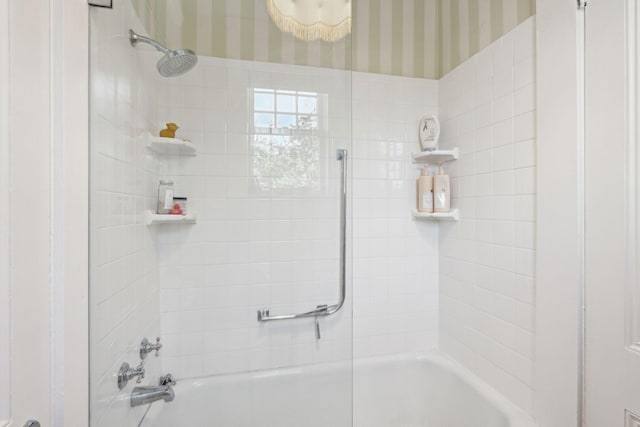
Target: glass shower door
x: 259, y: 172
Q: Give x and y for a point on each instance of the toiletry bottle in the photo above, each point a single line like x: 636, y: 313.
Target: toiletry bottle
x: 441, y: 191
x: 425, y: 191
x: 165, y: 197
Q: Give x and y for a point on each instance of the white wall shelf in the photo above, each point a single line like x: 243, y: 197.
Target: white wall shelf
x: 434, y: 157
x: 171, y: 146
x: 152, y: 218
x: 453, y: 215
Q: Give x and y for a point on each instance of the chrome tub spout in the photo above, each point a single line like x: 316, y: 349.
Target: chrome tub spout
x: 149, y: 394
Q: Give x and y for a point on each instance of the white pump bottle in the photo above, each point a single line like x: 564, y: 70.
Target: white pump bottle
x: 441, y: 191
x: 425, y: 191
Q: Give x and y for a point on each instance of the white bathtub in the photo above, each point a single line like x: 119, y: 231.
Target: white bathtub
x: 399, y: 391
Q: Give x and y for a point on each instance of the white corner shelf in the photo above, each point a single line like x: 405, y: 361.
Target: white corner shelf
x: 434, y: 157
x: 171, y: 146
x: 453, y: 215
x: 152, y: 218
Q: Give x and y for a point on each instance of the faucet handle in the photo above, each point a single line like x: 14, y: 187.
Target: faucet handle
x: 146, y: 347
x: 167, y: 380
x: 127, y: 373
x: 139, y: 371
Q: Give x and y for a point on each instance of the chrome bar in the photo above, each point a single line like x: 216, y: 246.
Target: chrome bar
x: 327, y: 310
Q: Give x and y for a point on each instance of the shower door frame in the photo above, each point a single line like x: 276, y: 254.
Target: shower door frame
x: 558, y: 347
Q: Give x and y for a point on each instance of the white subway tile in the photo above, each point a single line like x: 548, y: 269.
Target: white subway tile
x: 484, y: 115
x: 525, y: 180
x: 525, y: 154
x: 503, y: 158
x: 525, y: 126
x: 525, y: 208
x: 503, y: 107
x: 525, y: 235
x: 524, y: 73
x: 524, y: 100
x: 503, y: 132
x: 484, y: 139
x: 502, y: 82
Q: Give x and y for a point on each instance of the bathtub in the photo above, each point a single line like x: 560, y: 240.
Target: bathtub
x: 399, y: 391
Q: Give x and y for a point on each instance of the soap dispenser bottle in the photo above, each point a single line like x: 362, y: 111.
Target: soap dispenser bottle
x: 441, y: 191
x: 425, y: 191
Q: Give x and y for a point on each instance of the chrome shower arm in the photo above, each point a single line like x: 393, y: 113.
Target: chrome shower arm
x: 135, y: 38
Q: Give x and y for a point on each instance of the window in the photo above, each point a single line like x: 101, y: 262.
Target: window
x: 285, y: 139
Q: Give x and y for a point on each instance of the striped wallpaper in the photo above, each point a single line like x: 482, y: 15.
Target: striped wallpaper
x: 237, y: 29
x: 412, y: 38
x: 469, y: 26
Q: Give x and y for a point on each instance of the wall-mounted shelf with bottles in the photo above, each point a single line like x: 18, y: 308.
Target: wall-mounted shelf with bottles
x: 435, y: 157
x: 430, y: 158
x: 152, y: 218
x: 171, y: 146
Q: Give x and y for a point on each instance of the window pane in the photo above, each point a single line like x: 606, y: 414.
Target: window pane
x: 263, y: 102
x: 307, y: 105
x: 286, y: 120
x: 285, y: 162
x: 263, y: 120
x: 286, y: 103
x: 307, y: 122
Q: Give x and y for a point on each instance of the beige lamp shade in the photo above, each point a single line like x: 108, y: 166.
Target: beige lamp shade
x: 328, y: 20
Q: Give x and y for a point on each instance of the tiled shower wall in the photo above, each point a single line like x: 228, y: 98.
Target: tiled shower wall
x: 255, y: 248
x: 487, y: 259
x: 259, y: 243
x: 124, y: 291
x: 395, y: 269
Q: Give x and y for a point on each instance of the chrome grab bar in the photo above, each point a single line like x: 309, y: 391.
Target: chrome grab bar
x: 327, y: 310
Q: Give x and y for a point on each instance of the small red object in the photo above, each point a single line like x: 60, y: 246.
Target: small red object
x: 176, y: 210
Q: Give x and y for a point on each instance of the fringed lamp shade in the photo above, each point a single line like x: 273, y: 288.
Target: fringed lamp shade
x: 328, y: 20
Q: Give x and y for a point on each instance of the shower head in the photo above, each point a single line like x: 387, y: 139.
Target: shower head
x: 174, y: 62
x: 177, y: 62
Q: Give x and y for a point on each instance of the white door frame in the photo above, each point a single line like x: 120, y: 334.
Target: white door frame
x: 613, y: 242
x: 71, y: 183
x: 44, y: 219
x: 29, y: 213
x: 5, y: 314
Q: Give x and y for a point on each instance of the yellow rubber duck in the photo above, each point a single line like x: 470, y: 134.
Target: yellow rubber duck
x: 170, y: 131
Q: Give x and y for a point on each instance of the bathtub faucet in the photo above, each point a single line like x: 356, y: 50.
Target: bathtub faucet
x: 149, y: 394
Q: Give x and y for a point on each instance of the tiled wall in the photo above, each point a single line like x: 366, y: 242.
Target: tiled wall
x: 124, y: 294
x: 487, y: 260
x: 395, y: 258
x: 260, y: 242
x: 259, y: 245
x: 255, y: 248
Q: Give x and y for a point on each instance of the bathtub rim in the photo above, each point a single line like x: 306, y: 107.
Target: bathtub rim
x: 515, y: 415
